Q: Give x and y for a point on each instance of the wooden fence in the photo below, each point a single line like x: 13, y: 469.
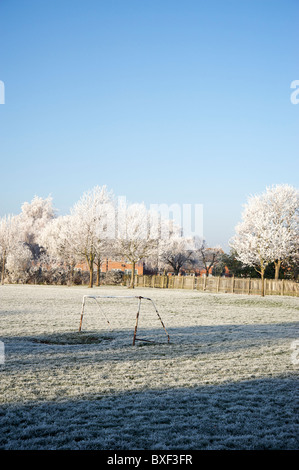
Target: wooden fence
x: 230, y: 285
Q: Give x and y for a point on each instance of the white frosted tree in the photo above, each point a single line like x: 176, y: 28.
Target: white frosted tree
x: 56, y: 238
x: 34, y: 217
x: 93, y: 221
x: 136, y: 239
x: 85, y: 233
x: 269, y: 229
x: 19, y: 263
x: 251, y: 244
x: 206, y: 257
x: 175, y: 252
x: 10, y: 239
x: 282, y: 203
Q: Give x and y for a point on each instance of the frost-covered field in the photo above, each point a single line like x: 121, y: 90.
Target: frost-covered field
x: 226, y: 380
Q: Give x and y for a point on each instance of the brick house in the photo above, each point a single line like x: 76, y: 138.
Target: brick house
x: 112, y: 265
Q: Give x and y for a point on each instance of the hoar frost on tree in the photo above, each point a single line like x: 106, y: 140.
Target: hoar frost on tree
x: 56, y: 239
x: 282, y: 202
x: 85, y: 233
x: 206, y: 257
x: 18, y: 236
x: 93, y: 226
x: 269, y: 229
x: 34, y: 217
x: 137, y: 238
x: 10, y: 240
x: 175, y: 253
x: 19, y: 261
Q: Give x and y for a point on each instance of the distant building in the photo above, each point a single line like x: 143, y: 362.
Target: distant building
x: 112, y: 265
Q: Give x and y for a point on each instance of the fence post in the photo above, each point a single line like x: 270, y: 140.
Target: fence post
x: 271, y: 287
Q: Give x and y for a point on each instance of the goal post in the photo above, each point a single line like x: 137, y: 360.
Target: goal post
x: 98, y: 298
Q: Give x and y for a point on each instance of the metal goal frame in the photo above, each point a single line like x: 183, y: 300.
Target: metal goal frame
x: 95, y: 297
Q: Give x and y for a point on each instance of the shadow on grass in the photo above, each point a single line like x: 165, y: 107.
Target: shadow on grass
x: 257, y: 414
x: 184, y: 341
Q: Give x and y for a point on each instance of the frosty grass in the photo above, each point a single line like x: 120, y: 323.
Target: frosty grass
x: 226, y: 380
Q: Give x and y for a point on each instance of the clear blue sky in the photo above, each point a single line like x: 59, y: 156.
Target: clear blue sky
x: 164, y: 101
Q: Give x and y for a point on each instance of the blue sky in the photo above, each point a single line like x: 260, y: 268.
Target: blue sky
x: 174, y: 102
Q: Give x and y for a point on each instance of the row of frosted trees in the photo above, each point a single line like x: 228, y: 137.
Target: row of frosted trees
x: 99, y: 227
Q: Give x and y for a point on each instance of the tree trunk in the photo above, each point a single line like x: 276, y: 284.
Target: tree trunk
x: 91, y: 276
x: 90, y: 265
x: 3, y: 268
x: 133, y: 275
x: 207, y: 270
x: 98, y: 274
x: 71, y: 274
x: 277, y: 268
x: 263, y: 284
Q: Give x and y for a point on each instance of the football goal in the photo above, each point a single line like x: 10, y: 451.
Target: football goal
x: 116, y: 306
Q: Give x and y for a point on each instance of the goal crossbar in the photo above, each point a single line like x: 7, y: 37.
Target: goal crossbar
x: 95, y: 297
